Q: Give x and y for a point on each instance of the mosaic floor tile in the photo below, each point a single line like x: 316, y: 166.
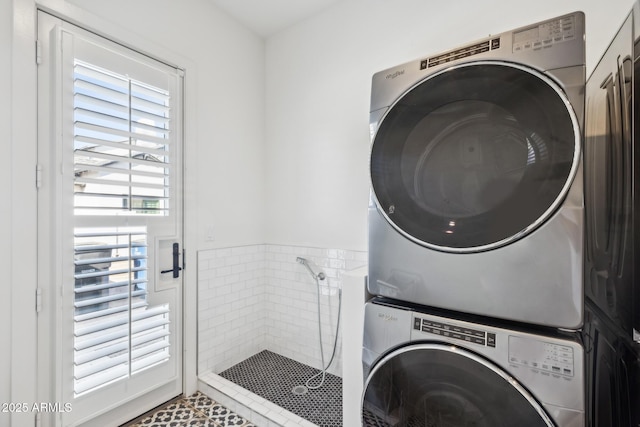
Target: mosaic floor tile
x: 197, y: 410
x: 174, y: 414
x: 273, y: 377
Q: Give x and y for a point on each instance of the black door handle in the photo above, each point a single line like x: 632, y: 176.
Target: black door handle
x: 176, y: 262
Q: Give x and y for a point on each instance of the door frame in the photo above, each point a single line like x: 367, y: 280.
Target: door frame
x: 44, y: 379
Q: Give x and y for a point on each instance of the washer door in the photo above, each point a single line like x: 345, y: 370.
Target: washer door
x: 475, y: 157
x: 440, y: 385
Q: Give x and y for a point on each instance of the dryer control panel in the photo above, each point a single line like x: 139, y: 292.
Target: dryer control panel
x: 545, y: 35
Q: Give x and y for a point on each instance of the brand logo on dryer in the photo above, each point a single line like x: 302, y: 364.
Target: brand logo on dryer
x: 387, y: 317
x: 394, y: 75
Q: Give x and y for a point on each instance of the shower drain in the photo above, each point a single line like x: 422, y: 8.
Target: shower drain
x: 299, y: 389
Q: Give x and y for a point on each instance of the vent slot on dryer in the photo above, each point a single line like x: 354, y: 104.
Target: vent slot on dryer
x: 460, y: 53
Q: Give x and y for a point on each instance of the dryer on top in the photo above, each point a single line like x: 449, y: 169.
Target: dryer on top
x: 476, y: 201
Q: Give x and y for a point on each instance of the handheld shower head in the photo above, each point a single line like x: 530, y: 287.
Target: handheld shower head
x: 319, y: 276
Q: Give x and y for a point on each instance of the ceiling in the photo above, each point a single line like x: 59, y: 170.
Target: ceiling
x: 267, y: 17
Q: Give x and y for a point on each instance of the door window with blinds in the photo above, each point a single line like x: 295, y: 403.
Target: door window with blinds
x: 117, y: 200
x: 121, y: 167
x: 121, y: 153
x: 116, y: 331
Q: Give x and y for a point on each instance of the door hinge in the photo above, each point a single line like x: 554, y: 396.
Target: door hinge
x: 38, y: 300
x: 38, y: 175
x: 38, y: 52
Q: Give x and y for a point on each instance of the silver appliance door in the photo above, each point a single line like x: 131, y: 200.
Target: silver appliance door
x: 475, y: 157
x: 443, y: 385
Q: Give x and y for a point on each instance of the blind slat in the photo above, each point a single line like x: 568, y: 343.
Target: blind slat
x: 115, y: 158
x: 86, y: 357
x: 101, y: 77
x: 89, y: 261
x: 159, y: 310
x: 151, y: 107
x: 88, y: 88
x: 103, y: 378
x: 122, y: 144
x: 117, y: 183
x: 94, y: 287
x: 101, y: 104
x: 106, y: 121
x: 87, y: 369
x: 118, y: 333
x: 106, y: 169
x: 80, y: 303
x: 103, y: 313
x: 157, y: 117
x: 91, y: 127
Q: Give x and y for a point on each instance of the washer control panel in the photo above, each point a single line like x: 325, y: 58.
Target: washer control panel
x: 545, y: 357
x: 451, y: 330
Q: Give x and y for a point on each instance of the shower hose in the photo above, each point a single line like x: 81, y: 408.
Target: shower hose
x: 323, y: 372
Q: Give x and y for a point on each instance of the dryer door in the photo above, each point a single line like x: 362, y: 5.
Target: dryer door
x: 475, y: 157
x: 442, y: 385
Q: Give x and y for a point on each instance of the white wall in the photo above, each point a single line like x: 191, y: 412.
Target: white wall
x: 6, y: 28
x: 318, y: 76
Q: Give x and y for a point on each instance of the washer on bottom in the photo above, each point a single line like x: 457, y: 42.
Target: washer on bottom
x: 424, y: 369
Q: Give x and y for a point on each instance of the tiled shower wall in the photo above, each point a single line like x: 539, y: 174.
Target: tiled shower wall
x: 254, y: 298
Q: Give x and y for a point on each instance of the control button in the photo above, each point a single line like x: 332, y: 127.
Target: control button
x: 473, y: 332
x: 417, y: 323
x: 491, y: 339
x: 480, y: 341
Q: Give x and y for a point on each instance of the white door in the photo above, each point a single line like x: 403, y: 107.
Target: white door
x: 110, y: 227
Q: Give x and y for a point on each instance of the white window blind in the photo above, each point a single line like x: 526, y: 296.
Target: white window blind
x: 116, y: 332
x: 121, y: 144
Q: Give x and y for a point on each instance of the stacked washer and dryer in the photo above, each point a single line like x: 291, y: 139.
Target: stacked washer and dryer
x: 478, y: 243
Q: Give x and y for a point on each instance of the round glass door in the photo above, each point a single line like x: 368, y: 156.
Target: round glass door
x: 475, y: 157
x: 438, y: 385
